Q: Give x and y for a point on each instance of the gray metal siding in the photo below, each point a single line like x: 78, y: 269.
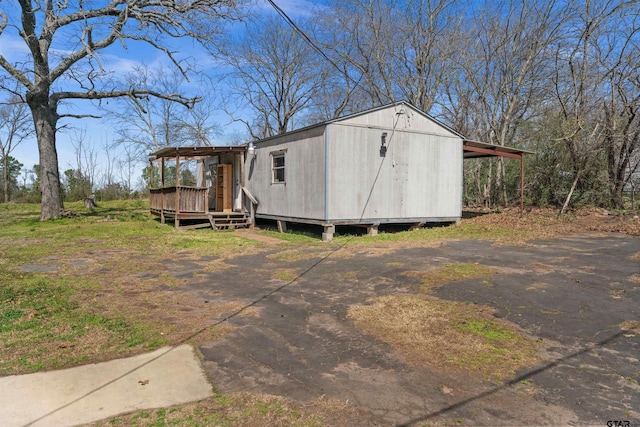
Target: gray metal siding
x: 302, y: 194
x: 420, y: 177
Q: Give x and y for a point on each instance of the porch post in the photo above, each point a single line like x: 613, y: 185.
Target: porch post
x: 205, y: 199
x: 253, y: 216
x: 242, y: 184
x: 150, y: 187
x: 177, y: 201
x: 163, y: 199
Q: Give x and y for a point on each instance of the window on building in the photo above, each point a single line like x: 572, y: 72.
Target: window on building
x: 278, y: 167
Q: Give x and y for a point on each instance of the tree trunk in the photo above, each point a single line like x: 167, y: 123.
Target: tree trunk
x: 616, y: 196
x: 5, y: 178
x: 501, y: 181
x: 573, y: 187
x: 488, y: 186
x: 45, y: 120
x: 478, y: 180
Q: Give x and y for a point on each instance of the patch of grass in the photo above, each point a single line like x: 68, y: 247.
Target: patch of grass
x: 451, y: 273
x: 349, y: 276
x: 632, y: 326
x: 635, y: 278
x: 297, y: 237
x: 447, y: 335
x: 242, y: 409
x: 43, y: 325
x: 117, y: 224
x: 103, y: 300
x: 487, y: 329
x: 285, y: 274
x: 295, y: 255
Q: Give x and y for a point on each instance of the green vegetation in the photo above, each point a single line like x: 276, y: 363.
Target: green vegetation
x: 451, y: 273
x: 285, y: 274
x: 44, y: 325
x: 487, y: 329
x: 58, y: 306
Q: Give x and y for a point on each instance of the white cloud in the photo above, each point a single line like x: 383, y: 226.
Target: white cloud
x: 13, y: 48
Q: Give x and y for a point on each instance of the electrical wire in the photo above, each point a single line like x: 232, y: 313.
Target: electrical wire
x: 305, y: 37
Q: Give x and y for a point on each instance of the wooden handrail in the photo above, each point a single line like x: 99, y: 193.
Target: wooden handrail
x: 250, y: 196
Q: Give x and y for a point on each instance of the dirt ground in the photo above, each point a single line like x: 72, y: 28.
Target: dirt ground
x: 275, y: 322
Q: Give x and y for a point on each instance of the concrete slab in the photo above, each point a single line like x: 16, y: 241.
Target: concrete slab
x: 165, y: 377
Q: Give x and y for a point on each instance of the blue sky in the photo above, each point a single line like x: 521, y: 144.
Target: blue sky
x: 121, y: 61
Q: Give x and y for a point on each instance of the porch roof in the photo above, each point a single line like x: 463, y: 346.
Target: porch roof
x: 196, y: 152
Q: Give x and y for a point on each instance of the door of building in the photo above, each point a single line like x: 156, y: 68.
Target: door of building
x: 224, y: 188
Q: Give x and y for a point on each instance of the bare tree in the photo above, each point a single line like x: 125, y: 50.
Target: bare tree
x: 425, y: 50
x: 84, y: 31
x: 619, y: 55
x: 501, y: 74
x: 197, y: 126
x: 108, y: 151
x: 149, y: 123
x: 361, y: 36
x: 274, y: 74
x: 86, y: 159
x: 581, y: 84
x: 129, y: 161
x: 15, y: 127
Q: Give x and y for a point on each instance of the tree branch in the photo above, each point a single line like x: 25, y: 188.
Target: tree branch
x: 16, y: 73
x: 79, y: 116
x: 132, y: 93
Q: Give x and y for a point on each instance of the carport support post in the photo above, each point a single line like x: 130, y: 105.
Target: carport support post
x: 521, y: 184
x: 327, y: 235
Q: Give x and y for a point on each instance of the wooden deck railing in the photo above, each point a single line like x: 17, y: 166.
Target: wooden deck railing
x: 191, y: 199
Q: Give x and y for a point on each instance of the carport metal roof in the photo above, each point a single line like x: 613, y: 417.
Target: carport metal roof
x: 477, y: 150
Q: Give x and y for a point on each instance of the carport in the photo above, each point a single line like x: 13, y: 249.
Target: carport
x: 476, y: 150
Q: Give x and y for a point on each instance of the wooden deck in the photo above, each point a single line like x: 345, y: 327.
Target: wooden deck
x: 187, y: 207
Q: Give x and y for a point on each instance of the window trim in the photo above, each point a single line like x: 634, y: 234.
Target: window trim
x: 274, y: 168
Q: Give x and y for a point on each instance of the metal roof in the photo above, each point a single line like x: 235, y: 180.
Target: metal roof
x: 360, y: 113
x: 172, y: 152
x: 477, y: 149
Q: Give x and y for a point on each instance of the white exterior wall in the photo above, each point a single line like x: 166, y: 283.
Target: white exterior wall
x: 419, y: 178
x: 302, y: 194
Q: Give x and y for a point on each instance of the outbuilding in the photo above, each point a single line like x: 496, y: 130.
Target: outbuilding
x: 391, y: 164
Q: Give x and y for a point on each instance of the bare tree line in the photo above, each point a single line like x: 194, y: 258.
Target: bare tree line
x: 557, y: 77
x: 48, y: 79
